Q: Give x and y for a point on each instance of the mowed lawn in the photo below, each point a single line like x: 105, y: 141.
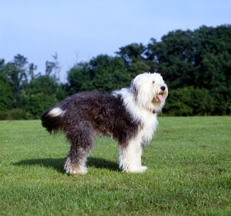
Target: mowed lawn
x: 189, y: 172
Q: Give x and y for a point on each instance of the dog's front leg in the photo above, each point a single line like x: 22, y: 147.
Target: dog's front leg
x: 130, y: 157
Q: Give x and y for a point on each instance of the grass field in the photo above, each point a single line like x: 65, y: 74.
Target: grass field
x: 189, y: 173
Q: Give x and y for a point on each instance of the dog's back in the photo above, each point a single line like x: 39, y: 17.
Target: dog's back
x: 104, y: 114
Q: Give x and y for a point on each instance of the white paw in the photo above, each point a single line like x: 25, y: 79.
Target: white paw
x: 143, y: 168
x: 136, y: 169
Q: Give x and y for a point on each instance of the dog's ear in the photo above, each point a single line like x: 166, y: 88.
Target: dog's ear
x: 141, y: 89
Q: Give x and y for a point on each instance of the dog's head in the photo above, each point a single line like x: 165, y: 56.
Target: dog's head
x: 150, y: 91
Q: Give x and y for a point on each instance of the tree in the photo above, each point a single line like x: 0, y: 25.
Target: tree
x: 109, y: 73
x: 130, y: 52
x: 32, y: 69
x: 40, y: 94
x: 189, y: 101
x: 134, y: 58
x: 173, y: 57
x: 79, y: 79
x: 6, y: 95
x: 195, y: 64
x: 16, y: 74
x: 200, y: 58
x: 53, y: 66
x: 213, y: 56
x: 103, y: 73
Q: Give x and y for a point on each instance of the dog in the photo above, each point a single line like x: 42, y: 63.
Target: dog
x: 128, y: 115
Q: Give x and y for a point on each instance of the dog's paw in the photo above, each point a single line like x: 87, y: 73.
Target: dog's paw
x: 136, y: 169
x: 72, y: 170
x: 82, y: 171
x: 143, y: 168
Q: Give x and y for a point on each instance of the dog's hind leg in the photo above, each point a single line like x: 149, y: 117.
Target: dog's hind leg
x: 82, y: 141
x: 76, y: 161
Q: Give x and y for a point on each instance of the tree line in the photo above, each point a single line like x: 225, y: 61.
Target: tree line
x: 196, y: 65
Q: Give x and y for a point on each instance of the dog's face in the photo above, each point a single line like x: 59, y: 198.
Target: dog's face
x: 150, y: 91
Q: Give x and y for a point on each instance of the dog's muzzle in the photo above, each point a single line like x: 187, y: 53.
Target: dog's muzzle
x: 160, y: 96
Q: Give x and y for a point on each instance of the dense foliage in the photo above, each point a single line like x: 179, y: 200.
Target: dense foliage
x: 195, y: 64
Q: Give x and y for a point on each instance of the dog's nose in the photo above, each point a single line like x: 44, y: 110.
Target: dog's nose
x: 162, y: 88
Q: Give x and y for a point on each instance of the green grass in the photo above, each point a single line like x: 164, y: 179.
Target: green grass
x: 189, y: 173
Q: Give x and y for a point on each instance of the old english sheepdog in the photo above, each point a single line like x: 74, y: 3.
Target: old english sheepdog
x: 128, y: 115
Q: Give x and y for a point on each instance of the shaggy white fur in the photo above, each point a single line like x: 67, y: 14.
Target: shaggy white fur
x: 144, y: 99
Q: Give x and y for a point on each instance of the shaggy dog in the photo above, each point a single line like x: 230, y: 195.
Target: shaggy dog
x: 128, y: 115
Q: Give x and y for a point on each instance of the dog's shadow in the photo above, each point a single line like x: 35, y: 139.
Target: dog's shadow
x: 58, y: 163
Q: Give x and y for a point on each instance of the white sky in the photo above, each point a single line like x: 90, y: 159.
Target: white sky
x: 78, y: 30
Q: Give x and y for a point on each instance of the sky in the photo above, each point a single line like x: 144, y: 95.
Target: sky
x: 78, y: 30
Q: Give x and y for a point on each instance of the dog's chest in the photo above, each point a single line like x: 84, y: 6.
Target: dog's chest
x: 149, y: 125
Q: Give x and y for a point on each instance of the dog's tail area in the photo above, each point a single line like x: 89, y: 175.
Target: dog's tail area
x: 52, y: 119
